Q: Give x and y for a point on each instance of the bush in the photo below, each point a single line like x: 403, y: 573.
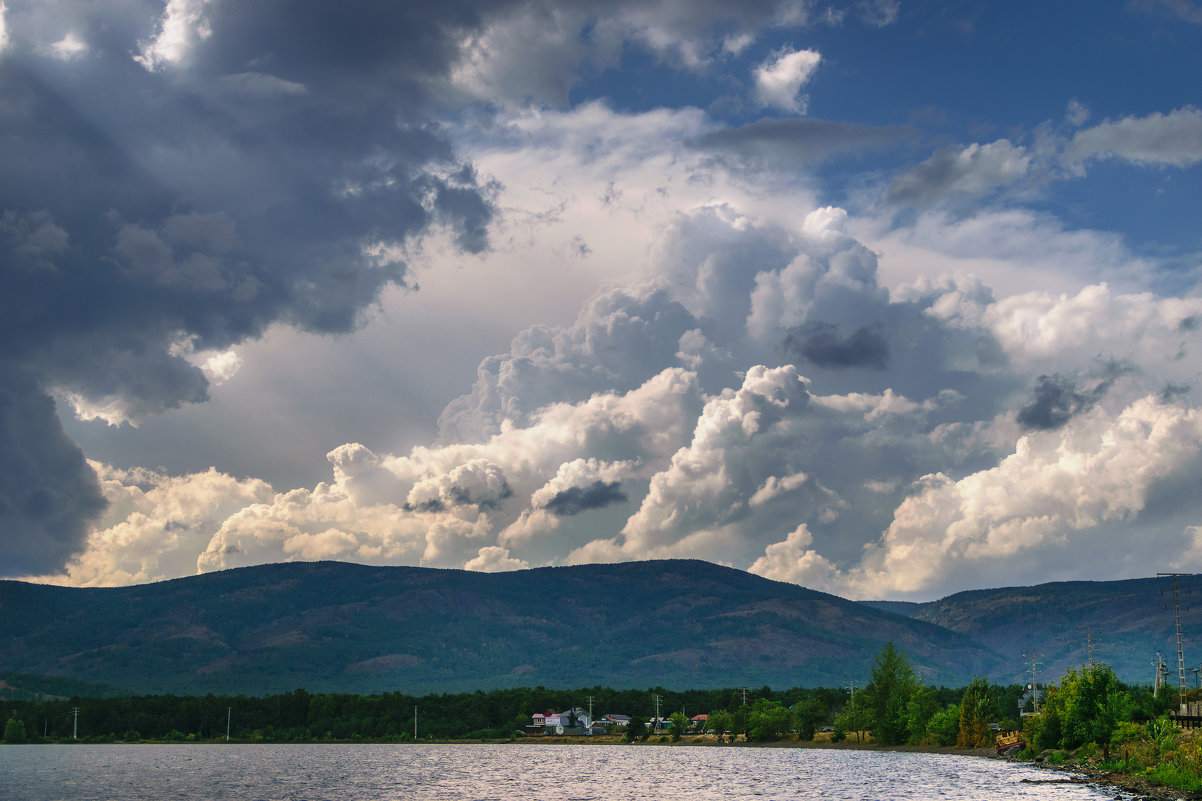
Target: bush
x: 1173, y: 775
x: 14, y: 731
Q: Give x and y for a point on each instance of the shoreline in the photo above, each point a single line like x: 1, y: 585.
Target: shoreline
x: 1135, y: 787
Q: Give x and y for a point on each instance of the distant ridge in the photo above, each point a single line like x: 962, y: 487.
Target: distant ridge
x: 331, y: 626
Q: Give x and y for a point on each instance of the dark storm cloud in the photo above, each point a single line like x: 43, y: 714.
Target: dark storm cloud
x: 820, y: 344
x: 1056, y: 399
x: 802, y: 139
x: 575, y: 500
x: 47, y: 491
x: 149, y: 209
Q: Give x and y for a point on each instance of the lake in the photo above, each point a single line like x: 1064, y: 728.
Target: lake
x: 503, y: 772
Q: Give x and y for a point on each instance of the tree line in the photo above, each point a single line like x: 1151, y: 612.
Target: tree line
x: 895, y: 707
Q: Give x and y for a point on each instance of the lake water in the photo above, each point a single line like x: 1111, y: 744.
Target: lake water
x: 504, y: 772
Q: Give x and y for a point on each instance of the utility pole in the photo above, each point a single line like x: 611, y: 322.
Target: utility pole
x: 1035, y: 663
x: 1180, y: 638
x: 415, y: 722
x: 743, y: 690
x: 1089, y: 630
x: 1162, y: 673
x: 75, y: 724
x: 655, y: 730
x: 590, y: 710
x: 229, y: 714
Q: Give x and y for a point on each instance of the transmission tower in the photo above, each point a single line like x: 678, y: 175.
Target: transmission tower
x: 1035, y: 663
x: 1180, y: 638
x: 1089, y: 630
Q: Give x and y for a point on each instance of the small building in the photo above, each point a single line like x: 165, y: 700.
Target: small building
x: 573, y: 721
x: 618, y: 720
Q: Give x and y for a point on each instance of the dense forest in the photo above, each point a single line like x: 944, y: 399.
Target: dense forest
x: 1090, y: 717
x: 762, y: 713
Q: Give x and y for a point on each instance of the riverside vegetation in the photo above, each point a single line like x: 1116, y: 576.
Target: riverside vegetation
x: 1090, y: 719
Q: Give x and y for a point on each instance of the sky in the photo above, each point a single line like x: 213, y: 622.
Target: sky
x: 885, y: 298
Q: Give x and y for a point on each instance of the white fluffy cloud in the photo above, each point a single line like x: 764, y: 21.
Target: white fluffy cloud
x: 183, y: 22
x: 1101, y: 468
x: 779, y: 80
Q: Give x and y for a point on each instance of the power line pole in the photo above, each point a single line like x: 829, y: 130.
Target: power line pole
x: 590, y: 710
x: 743, y: 690
x: 75, y: 724
x: 229, y: 713
x: 415, y: 722
x: 1180, y: 638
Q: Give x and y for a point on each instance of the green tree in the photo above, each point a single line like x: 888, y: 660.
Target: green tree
x: 680, y: 725
x: 855, y: 718
x: 807, y: 715
x: 944, y: 725
x: 14, y: 731
x: 976, y: 709
x: 719, y: 721
x: 893, y: 682
x: 636, y: 729
x: 768, y: 720
x: 1087, y: 707
x: 920, y: 709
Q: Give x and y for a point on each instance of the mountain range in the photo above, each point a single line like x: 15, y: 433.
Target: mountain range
x: 330, y: 626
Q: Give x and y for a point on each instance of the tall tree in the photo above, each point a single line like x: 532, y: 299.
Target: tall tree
x: 976, y: 708
x: 893, y: 683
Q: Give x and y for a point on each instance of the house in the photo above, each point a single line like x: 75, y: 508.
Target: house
x: 573, y: 721
x: 697, y: 722
x: 618, y: 720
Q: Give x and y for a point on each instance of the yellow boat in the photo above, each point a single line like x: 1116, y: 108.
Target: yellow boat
x: 1005, y: 742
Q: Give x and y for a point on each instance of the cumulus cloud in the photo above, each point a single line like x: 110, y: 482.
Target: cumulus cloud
x: 795, y: 560
x: 1100, y: 467
x: 494, y: 559
x: 1050, y: 332
x: 778, y: 81
x: 700, y: 488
